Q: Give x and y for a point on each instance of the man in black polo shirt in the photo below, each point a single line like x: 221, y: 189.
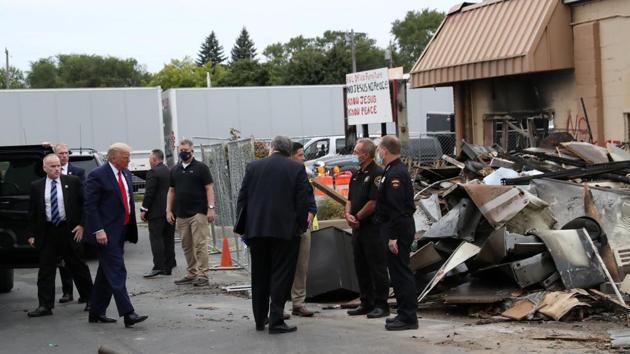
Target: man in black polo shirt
x: 190, y: 200
x: 370, y: 247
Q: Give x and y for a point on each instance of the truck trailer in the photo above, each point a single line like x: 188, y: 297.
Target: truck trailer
x: 85, y: 118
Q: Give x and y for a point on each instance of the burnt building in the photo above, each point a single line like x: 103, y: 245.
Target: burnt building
x: 523, y: 68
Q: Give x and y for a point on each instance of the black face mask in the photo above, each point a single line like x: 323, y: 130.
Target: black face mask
x: 185, y: 155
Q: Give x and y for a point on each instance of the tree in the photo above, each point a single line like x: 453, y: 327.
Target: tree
x: 82, y: 70
x: 413, y: 34
x: 16, y: 78
x: 244, y: 47
x: 43, y: 74
x: 321, y: 60
x: 211, y: 51
x: 246, y: 72
x: 186, y: 73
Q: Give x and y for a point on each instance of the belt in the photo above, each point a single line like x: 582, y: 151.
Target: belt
x: 61, y: 224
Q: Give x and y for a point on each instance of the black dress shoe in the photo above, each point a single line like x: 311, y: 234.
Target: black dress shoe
x: 166, y: 272
x: 378, y: 313
x: 153, y: 273
x: 361, y: 310
x: 391, y: 319
x: 100, y: 319
x: 133, y: 318
x: 65, y: 298
x: 87, y: 307
x: 398, y: 325
x: 39, y: 312
x: 260, y: 327
x: 282, y: 328
x: 82, y: 300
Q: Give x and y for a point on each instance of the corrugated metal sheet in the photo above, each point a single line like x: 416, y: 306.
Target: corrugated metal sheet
x: 496, y: 38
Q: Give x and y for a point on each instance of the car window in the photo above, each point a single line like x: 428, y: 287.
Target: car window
x: 16, y: 174
x: 88, y: 163
x: 340, y: 145
x: 317, y: 149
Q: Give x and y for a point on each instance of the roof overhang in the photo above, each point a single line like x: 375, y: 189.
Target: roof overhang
x: 497, y: 38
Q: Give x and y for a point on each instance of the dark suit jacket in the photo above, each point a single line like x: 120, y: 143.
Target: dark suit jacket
x: 156, y: 188
x: 72, y: 202
x: 76, y: 171
x: 104, y: 207
x: 273, y: 198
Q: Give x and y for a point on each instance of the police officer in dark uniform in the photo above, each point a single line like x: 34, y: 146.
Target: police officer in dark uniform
x: 394, y: 210
x: 370, y: 248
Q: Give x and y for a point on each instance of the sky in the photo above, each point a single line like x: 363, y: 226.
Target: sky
x: 154, y: 32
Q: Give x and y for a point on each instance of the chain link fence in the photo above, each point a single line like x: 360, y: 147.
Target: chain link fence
x: 227, y: 163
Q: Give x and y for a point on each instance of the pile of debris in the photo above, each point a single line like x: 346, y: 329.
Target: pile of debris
x: 543, y: 232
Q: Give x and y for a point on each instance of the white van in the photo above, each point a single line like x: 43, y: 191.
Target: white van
x: 324, y: 146
x: 327, y: 146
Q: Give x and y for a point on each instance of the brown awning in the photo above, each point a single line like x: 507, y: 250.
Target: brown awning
x: 497, y: 38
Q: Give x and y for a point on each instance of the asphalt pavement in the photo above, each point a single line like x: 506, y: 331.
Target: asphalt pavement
x: 187, y: 319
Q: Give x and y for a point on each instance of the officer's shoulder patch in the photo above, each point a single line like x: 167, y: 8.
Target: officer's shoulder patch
x: 378, y: 180
x: 395, y: 183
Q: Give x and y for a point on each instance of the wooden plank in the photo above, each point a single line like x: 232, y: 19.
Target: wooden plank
x: 520, y: 310
x: 336, y: 196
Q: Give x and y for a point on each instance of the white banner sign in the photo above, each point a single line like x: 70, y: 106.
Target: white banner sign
x: 367, y: 99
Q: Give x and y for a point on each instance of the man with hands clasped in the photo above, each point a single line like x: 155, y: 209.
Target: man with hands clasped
x: 370, y: 247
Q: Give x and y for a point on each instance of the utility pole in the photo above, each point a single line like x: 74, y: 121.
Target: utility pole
x: 6, y: 73
x: 353, y: 48
x: 354, y: 52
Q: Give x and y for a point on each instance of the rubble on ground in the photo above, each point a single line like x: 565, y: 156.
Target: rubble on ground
x: 540, y: 233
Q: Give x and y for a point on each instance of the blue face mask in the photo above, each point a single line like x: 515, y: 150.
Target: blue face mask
x: 185, y: 155
x: 355, y: 159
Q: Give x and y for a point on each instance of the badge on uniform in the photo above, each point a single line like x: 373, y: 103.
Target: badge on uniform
x: 395, y: 183
x: 378, y: 180
x: 367, y: 179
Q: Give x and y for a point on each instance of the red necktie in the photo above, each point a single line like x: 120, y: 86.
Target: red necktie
x: 123, y: 193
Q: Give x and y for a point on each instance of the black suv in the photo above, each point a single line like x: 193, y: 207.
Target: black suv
x: 86, y: 158
x: 19, y: 166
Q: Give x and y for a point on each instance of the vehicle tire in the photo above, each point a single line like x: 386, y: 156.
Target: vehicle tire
x: 6, y: 280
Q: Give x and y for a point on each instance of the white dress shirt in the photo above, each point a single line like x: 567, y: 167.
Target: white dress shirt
x: 124, y: 182
x: 64, y: 169
x: 60, y: 204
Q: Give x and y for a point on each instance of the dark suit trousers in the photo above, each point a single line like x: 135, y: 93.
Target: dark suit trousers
x: 66, y: 280
x: 57, y: 246
x: 65, y: 274
x: 162, y: 237
x: 403, y: 281
x: 111, y: 280
x: 370, y: 262
x: 273, y: 269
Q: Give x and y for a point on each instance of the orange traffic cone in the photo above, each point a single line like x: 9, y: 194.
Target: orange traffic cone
x: 226, y: 257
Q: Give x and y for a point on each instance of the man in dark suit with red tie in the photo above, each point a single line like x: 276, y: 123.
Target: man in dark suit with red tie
x: 111, y: 221
x: 56, y: 219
